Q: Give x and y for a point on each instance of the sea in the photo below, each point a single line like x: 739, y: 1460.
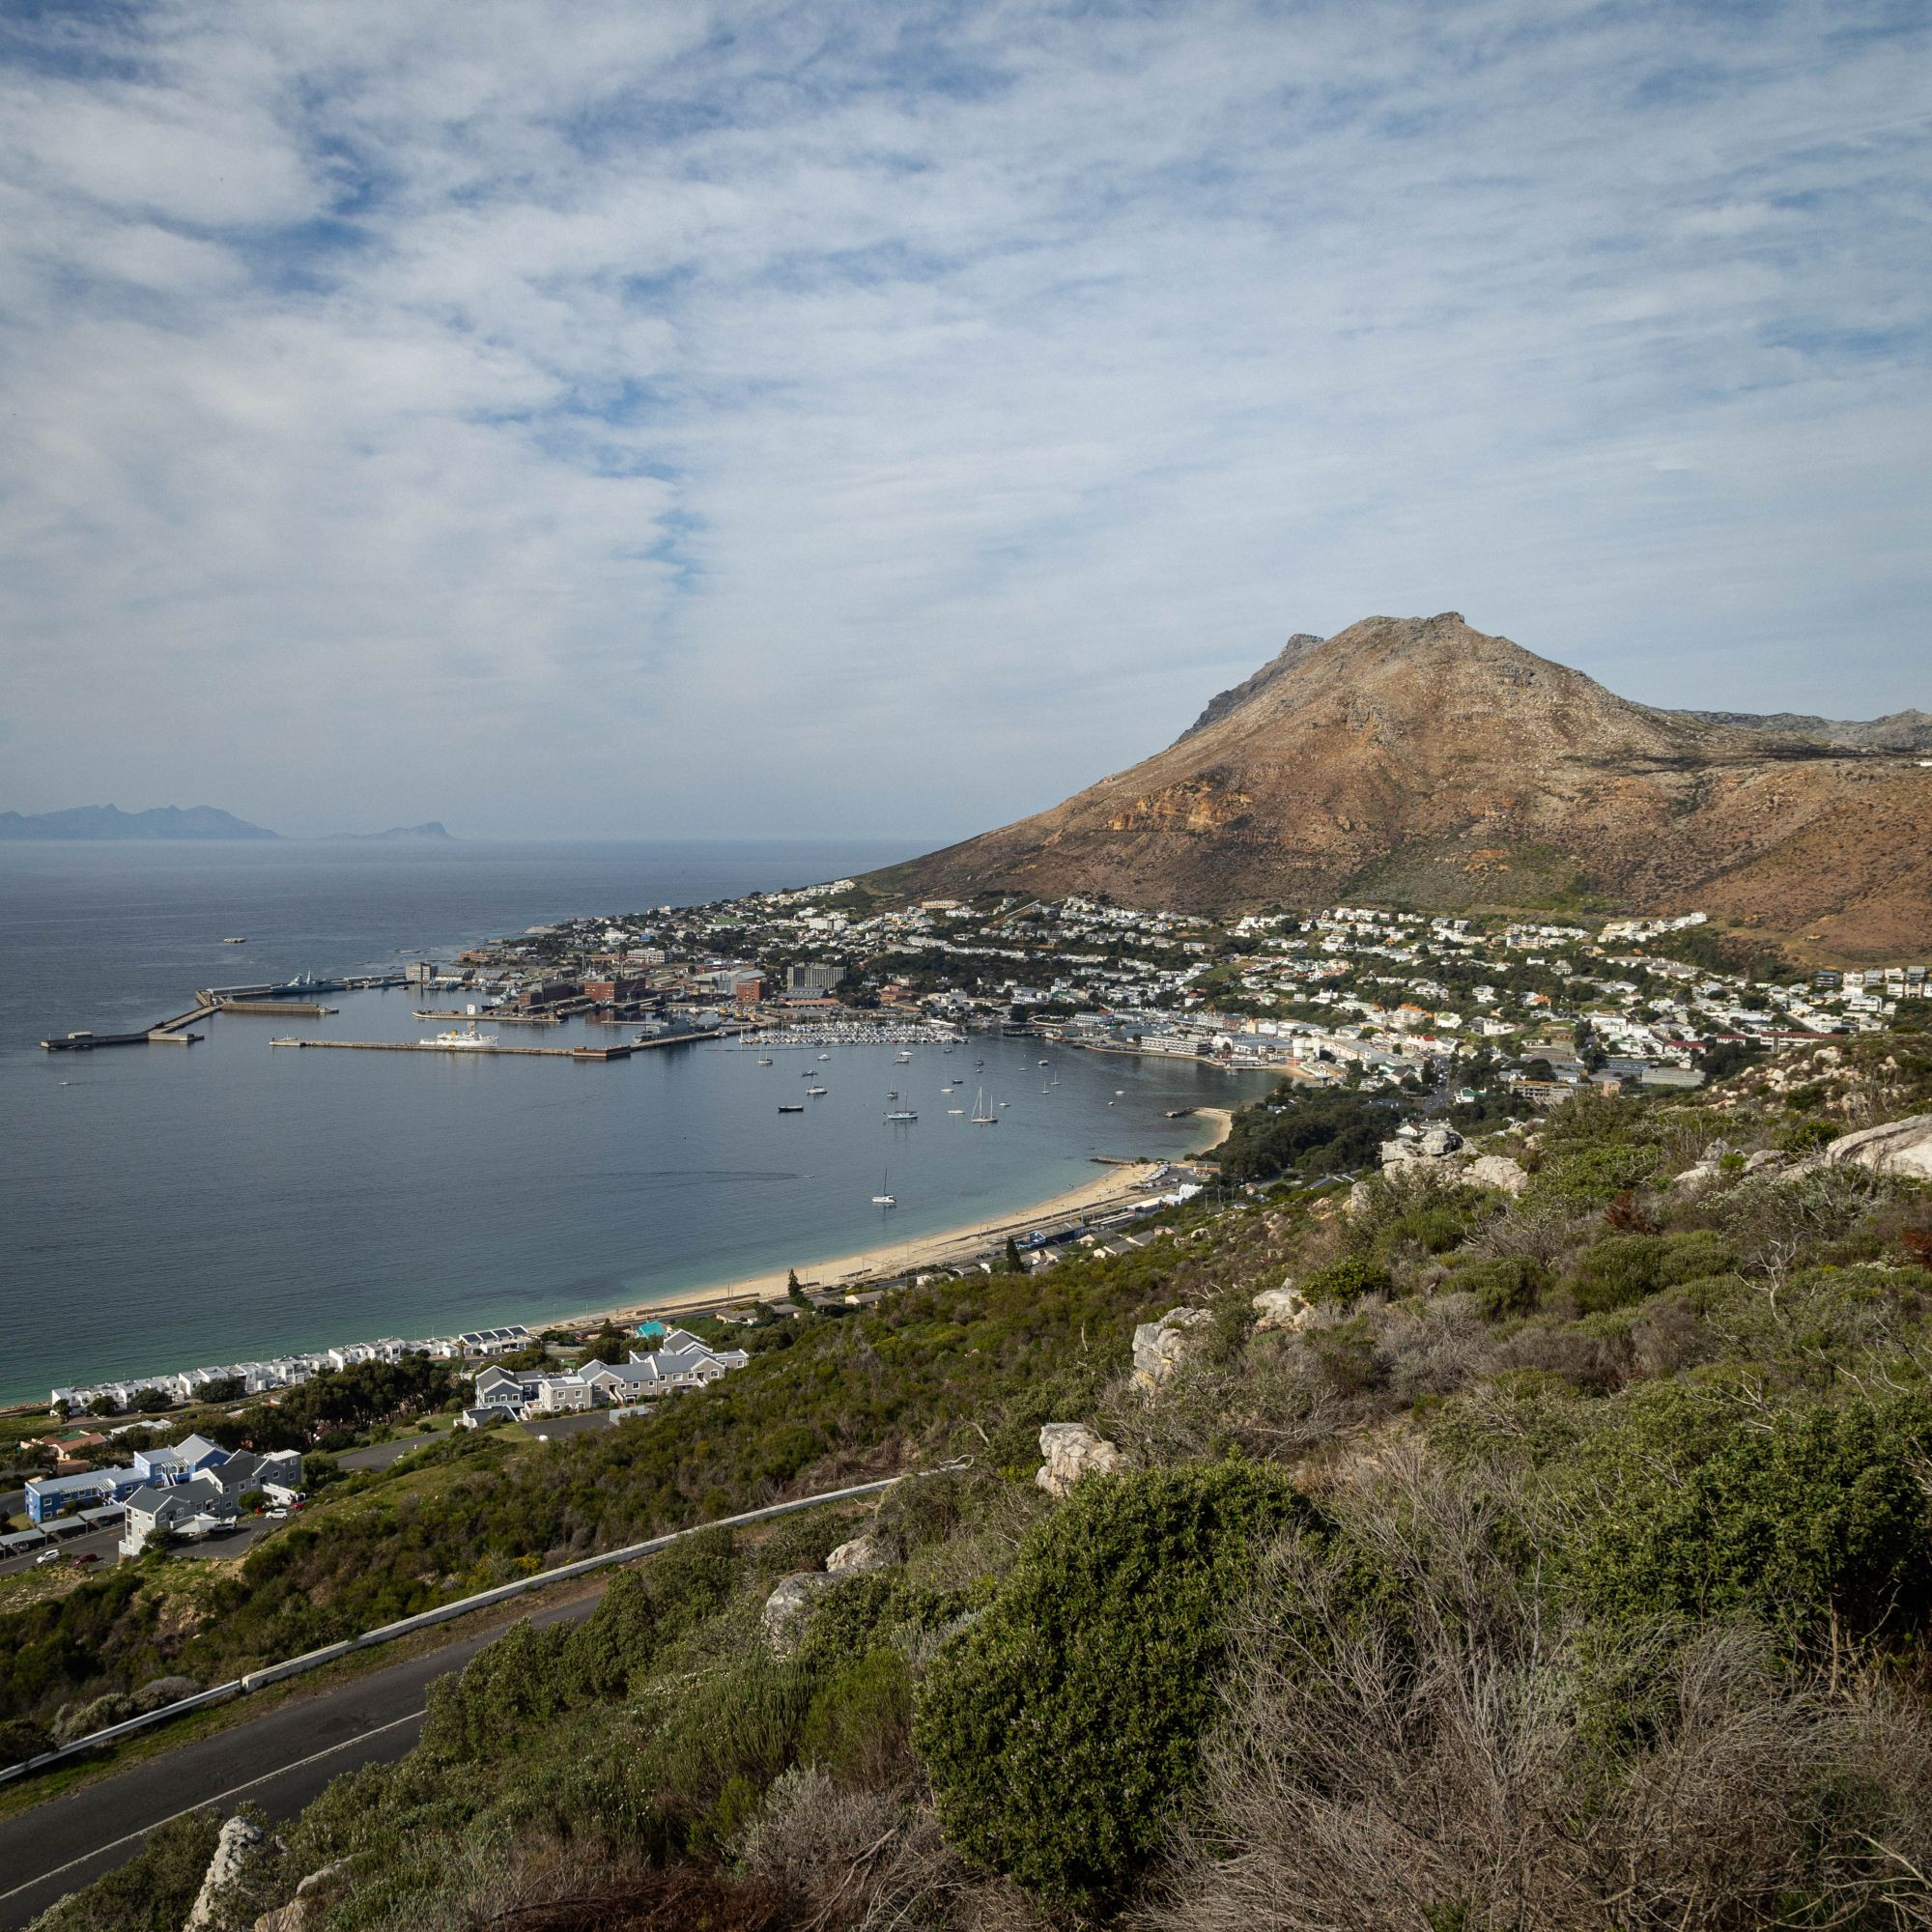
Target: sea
x: 163, y: 1207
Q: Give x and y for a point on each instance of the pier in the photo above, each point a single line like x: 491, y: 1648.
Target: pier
x: 286, y: 1009
x: 164, y: 1032
x: 492, y: 1015
x: 622, y: 1050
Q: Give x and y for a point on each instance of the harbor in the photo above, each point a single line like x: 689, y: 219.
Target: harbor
x: 371, y: 1184
x: 287, y: 1001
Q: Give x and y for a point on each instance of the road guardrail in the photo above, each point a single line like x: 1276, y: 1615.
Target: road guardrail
x: 483, y: 1600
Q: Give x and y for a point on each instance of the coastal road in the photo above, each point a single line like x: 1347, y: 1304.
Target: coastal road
x: 279, y: 1760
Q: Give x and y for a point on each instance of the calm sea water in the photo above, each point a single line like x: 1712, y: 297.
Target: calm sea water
x: 162, y: 1207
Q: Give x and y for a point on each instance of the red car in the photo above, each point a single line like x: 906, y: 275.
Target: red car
x: 83, y: 1557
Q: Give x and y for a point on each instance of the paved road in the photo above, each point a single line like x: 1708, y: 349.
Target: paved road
x: 280, y: 1761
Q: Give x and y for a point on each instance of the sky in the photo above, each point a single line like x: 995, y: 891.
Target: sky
x: 602, y: 420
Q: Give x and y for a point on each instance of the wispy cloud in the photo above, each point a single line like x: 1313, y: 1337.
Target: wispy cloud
x: 809, y: 416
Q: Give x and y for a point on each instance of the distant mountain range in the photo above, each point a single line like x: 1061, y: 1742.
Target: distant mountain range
x: 172, y: 821
x: 1416, y: 761
x: 109, y: 821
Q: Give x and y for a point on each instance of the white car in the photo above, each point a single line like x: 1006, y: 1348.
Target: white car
x: 45, y: 1557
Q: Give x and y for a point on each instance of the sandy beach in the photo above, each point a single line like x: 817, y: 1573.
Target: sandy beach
x: 948, y: 1247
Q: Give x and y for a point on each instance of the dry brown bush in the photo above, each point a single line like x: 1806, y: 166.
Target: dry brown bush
x: 1597, y: 1364
x: 1438, y: 1772
x: 869, y: 1861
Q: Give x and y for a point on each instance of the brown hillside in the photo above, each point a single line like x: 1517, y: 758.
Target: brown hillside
x: 1417, y: 761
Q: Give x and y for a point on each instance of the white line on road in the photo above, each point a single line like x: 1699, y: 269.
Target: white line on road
x: 219, y: 1797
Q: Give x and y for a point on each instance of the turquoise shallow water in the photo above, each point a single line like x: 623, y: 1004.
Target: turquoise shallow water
x: 161, y: 1207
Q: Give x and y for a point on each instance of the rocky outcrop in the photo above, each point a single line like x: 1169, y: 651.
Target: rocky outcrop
x: 1498, y: 1171
x: 1161, y: 1346
x: 306, y: 1911
x: 1432, y: 1144
x: 1284, y: 1307
x: 861, y: 1553
x: 787, y: 1606
x: 1703, y: 1173
x: 1073, y: 1451
x: 240, y: 1852
x: 1900, y: 1146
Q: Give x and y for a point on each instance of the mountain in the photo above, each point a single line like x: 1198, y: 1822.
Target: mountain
x: 109, y: 821
x: 431, y: 829
x: 1896, y: 731
x: 1417, y: 761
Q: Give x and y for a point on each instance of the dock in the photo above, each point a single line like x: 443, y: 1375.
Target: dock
x: 164, y: 1032
x: 283, y: 1010
x: 493, y: 1016
x: 622, y: 1050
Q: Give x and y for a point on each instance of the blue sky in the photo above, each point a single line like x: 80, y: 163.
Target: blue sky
x: 685, y: 420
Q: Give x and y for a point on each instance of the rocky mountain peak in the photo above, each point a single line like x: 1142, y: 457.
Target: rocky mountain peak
x: 1420, y: 762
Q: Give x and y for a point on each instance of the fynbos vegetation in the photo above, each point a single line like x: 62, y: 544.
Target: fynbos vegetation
x: 1546, y: 1554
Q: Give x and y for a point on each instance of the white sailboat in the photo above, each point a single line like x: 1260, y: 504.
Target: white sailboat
x: 885, y: 1197
x: 981, y: 1116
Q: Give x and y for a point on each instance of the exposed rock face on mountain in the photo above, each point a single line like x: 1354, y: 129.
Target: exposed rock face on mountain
x: 1896, y: 731
x: 1417, y: 761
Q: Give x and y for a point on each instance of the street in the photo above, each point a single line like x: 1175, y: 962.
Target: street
x: 279, y: 1760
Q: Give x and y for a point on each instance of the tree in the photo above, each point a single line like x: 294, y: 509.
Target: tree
x: 223, y: 1388
x: 793, y: 1293
x: 1013, y: 1263
x: 148, y: 1400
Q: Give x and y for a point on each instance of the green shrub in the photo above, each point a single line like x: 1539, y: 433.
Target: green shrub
x: 1344, y: 1283
x: 1502, y: 1288
x: 1059, y: 1728
x: 858, y: 1723
x: 1346, y: 1355
x: 1809, y: 1135
x: 1697, y: 1512
x: 1593, y: 1175
x: 1617, y: 1271
x: 1626, y: 1268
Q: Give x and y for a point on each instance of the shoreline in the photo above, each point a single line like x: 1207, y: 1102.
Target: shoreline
x: 889, y: 1261
x: 945, y: 1247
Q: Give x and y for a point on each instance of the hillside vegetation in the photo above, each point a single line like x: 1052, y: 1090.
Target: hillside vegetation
x: 1555, y: 1554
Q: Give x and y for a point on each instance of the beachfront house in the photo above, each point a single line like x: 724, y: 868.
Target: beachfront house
x: 496, y: 1341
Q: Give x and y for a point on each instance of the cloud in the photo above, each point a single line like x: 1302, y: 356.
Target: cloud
x: 814, y: 417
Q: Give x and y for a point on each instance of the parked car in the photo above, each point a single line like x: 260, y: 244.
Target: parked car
x: 83, y: 1557
x: 45, y: 1557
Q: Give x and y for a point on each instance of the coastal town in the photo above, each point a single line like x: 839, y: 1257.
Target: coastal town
x: 1497, y: 1017
x: 1362, y: 995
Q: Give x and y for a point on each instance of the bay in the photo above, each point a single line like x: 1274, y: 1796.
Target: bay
x: 165, y: 1207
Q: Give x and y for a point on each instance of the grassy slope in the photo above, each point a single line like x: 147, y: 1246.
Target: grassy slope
x: 1645, y: 1450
